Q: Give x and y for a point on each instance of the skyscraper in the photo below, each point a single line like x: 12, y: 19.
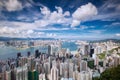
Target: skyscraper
x: 70, y: 70
x: 33, y: 75
x: 22, y: 73
x: 50, y: 52
x: 8, y: 75
x: 91, y: 52
x: 54, y: 73
x: 83, y: 65
x: 84, y: 75
x: 61, y: 69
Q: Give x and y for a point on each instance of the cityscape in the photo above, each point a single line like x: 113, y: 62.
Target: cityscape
x: 59, y: 40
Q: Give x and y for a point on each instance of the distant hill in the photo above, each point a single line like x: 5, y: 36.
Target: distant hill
x: 8, y: 38
x: 114, y: 40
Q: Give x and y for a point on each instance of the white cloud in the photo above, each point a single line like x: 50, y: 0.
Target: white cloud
x: 45, y: 11
x: 13, y: 5
x: 96, y: 31
x: 115, y: 24
x: 83, y: 27
x: 30, y: 32
x: 82, y: 13
x: 55, y: 17
x: 51, y: 35
x: 118, y: 34
x: 75, y: 23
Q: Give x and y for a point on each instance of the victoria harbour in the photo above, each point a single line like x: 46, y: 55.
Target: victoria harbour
x: 11, y: 52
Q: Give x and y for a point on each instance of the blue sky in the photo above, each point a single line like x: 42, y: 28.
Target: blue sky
x: 69, y: 19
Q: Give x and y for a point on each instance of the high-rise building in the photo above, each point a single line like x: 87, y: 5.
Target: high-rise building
x: 116, y: 61
x: 70, y: 70
x: 91, y: 52
x: 84, y: 75
x: 37, y: 54
x: 47, y: 67
x: 61, y: 69
x: 31, y: 63
x: 85, y: 49
x: 54, y: 73
x: 33, y: 75
x: 50, y: 51
x: 28, y: 54
x: 42, y: 77
x: 75, y: 75
x: 8, y: 75
x: 13, y: 74
x: 83, y: 66
x: 22, y: 73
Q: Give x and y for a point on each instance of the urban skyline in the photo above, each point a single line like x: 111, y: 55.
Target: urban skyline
x: 59, y: 39
x: 66, y: 19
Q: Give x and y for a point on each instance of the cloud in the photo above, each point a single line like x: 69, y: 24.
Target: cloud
x: 116, y: 24
x: 113, y: 25
x: 75, y: 23
x: 109, y: 10
x: 55, y: 17
x: 82, y: 13
x: 13, y: 5
x: 118, y: 34
x: 96, y: 31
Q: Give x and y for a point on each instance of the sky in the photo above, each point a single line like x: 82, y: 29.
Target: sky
x: 61, y: 19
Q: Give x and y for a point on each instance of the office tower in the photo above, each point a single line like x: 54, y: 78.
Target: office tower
x: 85, y: 49
x: 116, y: 61
x: 22, y: 73
x: 33, y: 75
x: 70, y: 70
x: 50, y: 59
x: 66, y: 68
x: 38, y: 67
x: 19, y: 55
x: 37, y: 54
x: 1, y: 76
x: 25, y: 72
x: 96, y: 59
x: 83, y: 66
x: 13, y: 74
x: 78, y: 76
x: 47, y: 67
x: 28, y: 54
x: 98, y: 50
x: 8, y: 75
x: 91, y: 52
x: 19, y: 73
x: 3, y: 72
x: 84, y: 76
x: 75, y: 75
x: 31, y: 63
x: 50, y: 51
x: 54, y: 73
x: 22, y: 61
x: 66, y: 74
x: 61, y: 69
x: 42, y: 77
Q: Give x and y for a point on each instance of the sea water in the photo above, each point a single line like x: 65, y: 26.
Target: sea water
x: 11, y: 52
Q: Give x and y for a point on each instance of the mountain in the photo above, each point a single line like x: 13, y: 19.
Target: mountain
x: 113, y: 40
x: 8, y: 38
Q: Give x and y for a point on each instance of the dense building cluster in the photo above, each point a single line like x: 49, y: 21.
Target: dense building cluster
x: 61, y: 65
